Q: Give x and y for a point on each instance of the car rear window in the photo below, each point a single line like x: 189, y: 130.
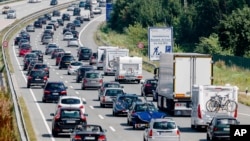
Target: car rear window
x: 152, y: 82
x: 164, y: 125
x: 110, y: 85
x: 113, y: 92
x: 226, y: 121
x: 85, y: 50
x: 70, y: 113
x: 55, y: 86
x: 76, y: 64
x: 92, y: 75
x: 145, y: 107
x: 67, y: 58
x: 41, y: 66
x: 70, y: 101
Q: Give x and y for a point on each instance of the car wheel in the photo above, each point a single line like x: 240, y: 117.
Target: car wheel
x: 83, y: 88
x: 114, y: 114
x: 60, y: 68
x: 43, y: 100
x: 142, y: 93
x: 28, y: 85
x: 133, y: 126
x: 208, y: 137
x: 54, y: 133
x: 128, y: 123
x: 101, y: 105
x: 68, y: 73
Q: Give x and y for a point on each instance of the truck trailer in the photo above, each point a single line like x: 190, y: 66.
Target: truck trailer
x: 176, y: 74
x: 128, y: 69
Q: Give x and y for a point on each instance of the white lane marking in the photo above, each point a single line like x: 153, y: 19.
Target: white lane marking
x: 66, y: 81
x: 83, y: 99
x: 91, y: 107
x: 100, y: 116
x: 53, y: 69
x: 77, y: 92
x: 57, y: 73
x: 86, y: 27
x: 113, y: 129
x: 34, y: 98
x: 61, y: 77
x: 244, y: 114
x: 71, y: 87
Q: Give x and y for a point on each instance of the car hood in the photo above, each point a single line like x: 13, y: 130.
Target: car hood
x: 146, y: 116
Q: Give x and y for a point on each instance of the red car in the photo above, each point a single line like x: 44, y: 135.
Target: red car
x: 24, y: 49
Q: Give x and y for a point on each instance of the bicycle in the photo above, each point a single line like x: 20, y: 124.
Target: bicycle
x: 218, y: 102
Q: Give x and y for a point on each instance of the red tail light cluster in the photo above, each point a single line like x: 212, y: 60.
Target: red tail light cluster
x: 102, y: 138
x: 100, y: 81
x: 85, y: 81
x: 77, y: 137
x: 63, y: 92
x: 29, y: 77
x: 150, y: 133
x: 46, y: 92
x: 199, y: 112
x: 45, y: 78
x: 103, y: 98
x: 148, y: 85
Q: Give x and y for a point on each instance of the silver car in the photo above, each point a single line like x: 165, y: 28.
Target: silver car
x: 73, y: 42
x: 74, y: 66
x: 30, y: 28
x: 11, y: 14
x: 50, y: 47
x: 162, y: 129
x: 92, y: 79
x: 47, y: 39
x: 109, y: 95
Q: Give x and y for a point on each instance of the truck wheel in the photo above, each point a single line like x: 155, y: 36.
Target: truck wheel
x: 28, y: 85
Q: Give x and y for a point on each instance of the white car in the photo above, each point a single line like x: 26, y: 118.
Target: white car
x: 97, y: 10
x: 11, y: 14
x: 73, y: 42
x: 74, y: 66
x: 55, y: 23
x: 70, y: 8
x: 71, y: 101
x: 68, y: 36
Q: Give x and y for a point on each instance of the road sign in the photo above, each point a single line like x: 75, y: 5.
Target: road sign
x: 109, y: 9
x: 140, y: 45
x: 5, y: 43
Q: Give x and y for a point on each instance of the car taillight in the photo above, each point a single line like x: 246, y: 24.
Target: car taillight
x: 148, y: 85
x: 57, y: 117
x: 29, y: 77
x: 77, y: 137
x: 102, y: 138
x: 100, y: 81
x: 69, y: 67
x: 59, y: 106
x: 46, y: 92
x: 199, y: 111
x: 100, y: 62
x: 81, y: 107
x: 63, y: 92
x: 46, y: 69
x: 83, y: 118
x: 178, y: 132
x: 236, y: 113
x: 150, y: 133
x: 45, y: 78
x: 140, y: 77
x: 103, y: 98
x: 85, y: 80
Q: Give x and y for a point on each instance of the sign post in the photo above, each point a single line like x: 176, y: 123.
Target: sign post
x: 160, y: 40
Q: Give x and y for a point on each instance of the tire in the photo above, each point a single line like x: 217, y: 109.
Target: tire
x: 231, y: 106
x: 101, y: 105
x: 60, y: 68
x: 142, y: 93
x: 68, y: 73
x: 28, y: 85
x: 208, y: 137
x: 128, y: 123
x: 54, y: 133
x: 212, y: 105
x: 192, y: 127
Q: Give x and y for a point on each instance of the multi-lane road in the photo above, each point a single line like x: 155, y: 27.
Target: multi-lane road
x: 116, y: 126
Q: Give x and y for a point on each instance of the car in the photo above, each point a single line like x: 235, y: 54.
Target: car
x: 27, y: 63
x: 71, y: 26
x: 36, y: 78
x: 38, y: 24
x: 77, y: 23
x: 84, y: 53
x: 75, y: 34
x: 65, y: 17
x: 25, y: 35
x: 93, y: 58
x: 97, y: 10
x: 82, y: 4
x: 80, y: 18
x: 102, y: 4
x: 88, y: 132
x: 74, y: 66
x: 71, y: 101
x: 47, y: 39
x: 39, y: 53
x: 53, y: 90
x: 55, y: 52
x: 219, y: 127
x: 92, y: 79
x: 42, y: 66
x: 30, y: 55
x: 60, y: 22
x: 50, y: 27
x: 76, y: 11
x: 56, y: 13
x: 54, y: 26
x: 42, y: 19
x: 58, y: 57
x: 109, y: 95
x: 148, y: 86
x: 31, y: 65
x: 53, y: 2
x: 122, y: 103
x: 50, y: 47
x: 47, y: 32
x: 70, y: 8
x: 24, y: 49
x: 5, y: 9
x: 73, y: 42
x: 48, y: 16
x: 108, y: 84
x: 11, y: 14
x: 55, y: 23
x: 65, y: 61
x: 65, y: 119
x: 23, y: 41
x: 67, y: 36
x: 161, y: 129
x: 81, y: 72
x: 30, y: 28
x: 140, y: 114
x: 17, y: 39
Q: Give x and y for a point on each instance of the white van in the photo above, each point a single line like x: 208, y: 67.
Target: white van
x: 200, y: 116
x: 100, y: 57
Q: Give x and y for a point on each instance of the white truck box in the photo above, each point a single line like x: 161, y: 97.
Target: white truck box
x: 100, y: 51
x: 109, y: 58
x: 177, y: 73
x: 128, y: 69
x: 200, y: 116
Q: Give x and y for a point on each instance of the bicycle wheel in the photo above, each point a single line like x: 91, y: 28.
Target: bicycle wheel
x: 231, y: 105
x: 212, y: 105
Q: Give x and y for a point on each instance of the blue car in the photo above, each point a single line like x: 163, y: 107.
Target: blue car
x: 141, y: 113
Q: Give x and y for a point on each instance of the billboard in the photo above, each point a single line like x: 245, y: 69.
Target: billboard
x: 160, y: 40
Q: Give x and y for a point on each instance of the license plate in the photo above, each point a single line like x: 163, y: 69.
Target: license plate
x: 70, y: 121
x: 55, y: 93
x: 226, y: 129
x: 37, y: 79
x: 92, y: 81
x: 66, y: 63
x: 89, y: 138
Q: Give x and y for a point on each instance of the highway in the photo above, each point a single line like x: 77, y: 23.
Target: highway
x: 117, y: 129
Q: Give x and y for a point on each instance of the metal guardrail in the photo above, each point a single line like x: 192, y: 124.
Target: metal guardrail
x: 12, y: 28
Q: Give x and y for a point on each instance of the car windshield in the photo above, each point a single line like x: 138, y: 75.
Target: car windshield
x: 164, y: 125
x: 82, y: 70
x: 67, y: 113
x: 40, y: 66
x: 30, y: 56
x: 113, y: 92
x: 85, y: 50
x: 127, y: 99
x: 92, y: 75
x: 70, y: 101
x: 145, y: 107
x: 226, y: 121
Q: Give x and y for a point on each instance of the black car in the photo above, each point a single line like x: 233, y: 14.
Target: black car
x: 43, y: 20
x: 53, y: 2
x: 25, y: 36
x: 53, y: 90
x: 75, y: 34
x: 88, y: 132
x: 81, y: 72
x: 17, y: 39
x: 27, y: 62
x: 66, y: 17
x: 148, y: 86
x: 48, y: 16
x: 60, y: 22
x: 66, y: 30
x: 39, y: 54
x: 65, y: 61
x: 36, y: 78
x: 84, y: 53
x: 38, y: 24
x: 42, y: 66
x: 82, y: 4
x: 76, y: 11
x: 219, y: 127
x: 71, y: 26
x: 55, y: 52
x: 56, y: 13
x: 123, y: 102
x: 31, y: 65
x: 80, y: 18
x: 77, y: 23
x: 66, y: 119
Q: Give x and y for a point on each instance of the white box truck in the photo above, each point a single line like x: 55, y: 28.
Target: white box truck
x: 128, y: 69
x: 109, y: 58
x: 100, y: 51
x: 201, y: 113
x: 176, y: 75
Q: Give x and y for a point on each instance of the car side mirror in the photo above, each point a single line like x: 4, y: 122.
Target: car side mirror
x: 52, y: 114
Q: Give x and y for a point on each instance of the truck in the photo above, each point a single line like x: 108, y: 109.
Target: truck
x: 128, y: 69
x: 100, y: 51
x: 176, y: 74
x: 201, y: 94
x: 109, y: 58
